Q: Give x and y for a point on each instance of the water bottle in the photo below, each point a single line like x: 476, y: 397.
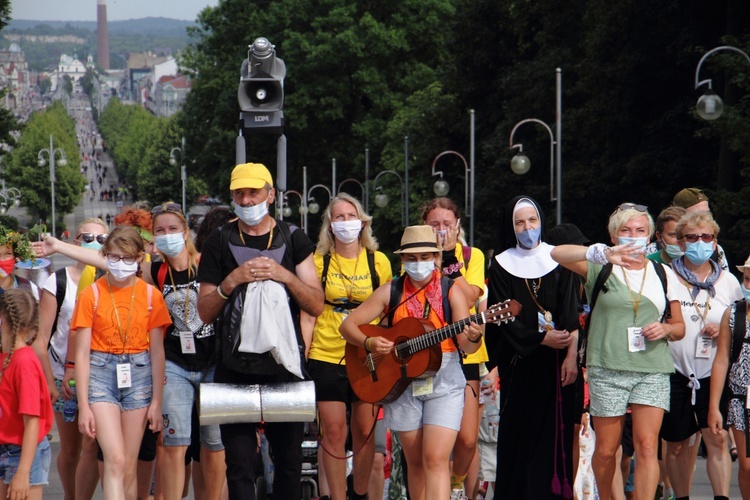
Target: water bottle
x: 70, y: 406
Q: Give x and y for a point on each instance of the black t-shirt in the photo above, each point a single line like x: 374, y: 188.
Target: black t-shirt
x: 203, y: 335
x: 216, y: 262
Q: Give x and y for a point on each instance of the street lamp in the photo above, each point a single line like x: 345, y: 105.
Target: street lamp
x: 11, y: 197
x: 63, y: 161
x: 312, y: 206
x: 361, y: 186
x: 520, y: 163
x: 287, y: 210
x: 381, y: 199
x: 183, y: 170
x: 441, y: 186
x: 710, y: 106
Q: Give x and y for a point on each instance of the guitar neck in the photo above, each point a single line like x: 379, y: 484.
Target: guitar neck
x: 429, y: 339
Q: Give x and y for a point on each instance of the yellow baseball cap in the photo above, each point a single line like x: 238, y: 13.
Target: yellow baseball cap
x: 250, y: 176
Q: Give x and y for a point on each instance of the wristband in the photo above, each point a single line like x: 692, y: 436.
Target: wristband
x: 70, y: 365
x: 450, y: 265
x: 69, y: 362
x: 597, y: 254
x: 475, y: 341
x: 221, y: 294
x: 367, y: 349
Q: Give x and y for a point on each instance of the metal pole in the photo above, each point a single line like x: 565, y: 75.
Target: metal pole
x: 333, y: 174
x: 471, y: 173
x: 558, y: 153
x: 406, y: 176
x: 183, y: 176
x: 367, y: 181
x: 52, y: 181
x: 304, y: 197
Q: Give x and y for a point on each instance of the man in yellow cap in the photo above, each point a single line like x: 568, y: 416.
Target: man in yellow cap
x: 254, y: 249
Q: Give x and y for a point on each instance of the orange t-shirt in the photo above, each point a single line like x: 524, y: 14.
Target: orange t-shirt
x: 447, y: 345
x: 105, y: 334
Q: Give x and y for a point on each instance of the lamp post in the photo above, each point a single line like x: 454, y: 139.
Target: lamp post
x: 361, y: 186
x: 11, y: 197
x: 183, y: 170
x: 520, y: 163
x: 287, y: 210
x: 381, y: 199
x: 710, y: 106
x: 441, y: 187
x: 63, y: 161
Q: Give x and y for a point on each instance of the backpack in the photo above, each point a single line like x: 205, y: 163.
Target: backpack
x: 397, y: 291
x: 599, y: 285
x: 373, y: 276
x: 61, y: 279
x: 227, y: 325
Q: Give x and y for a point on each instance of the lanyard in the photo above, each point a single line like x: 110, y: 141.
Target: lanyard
x: 270, y: 234
x: 705, y: 312
x: 636, y: 303
x: 174, y: 290
x: 123, y: 338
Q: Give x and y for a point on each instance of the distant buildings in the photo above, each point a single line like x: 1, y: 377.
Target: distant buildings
x: 156, y: 82
x: 168, y: 94
x: 14, y: 76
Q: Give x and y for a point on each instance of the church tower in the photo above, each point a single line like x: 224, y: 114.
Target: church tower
x: 102, y: 38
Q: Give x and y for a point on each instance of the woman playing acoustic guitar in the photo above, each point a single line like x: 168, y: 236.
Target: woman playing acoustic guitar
x: 427, y: 415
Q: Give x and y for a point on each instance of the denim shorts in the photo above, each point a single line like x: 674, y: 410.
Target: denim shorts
x: 443, y: 407
x: 10, y: 456
x: 103, y: 380
x: 611, y: 391
x: 177, y: 408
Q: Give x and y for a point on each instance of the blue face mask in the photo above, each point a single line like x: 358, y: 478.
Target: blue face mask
x: 530, y: 238
x: 699, y: 252
x: 638, y: 243
x: 674, y: 251
x: 94, y: 245
x: 419, y: 271
x: 745, y: 293
x: 170, y: 244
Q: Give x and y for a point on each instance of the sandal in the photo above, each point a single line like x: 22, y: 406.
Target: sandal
x: 733, y: 453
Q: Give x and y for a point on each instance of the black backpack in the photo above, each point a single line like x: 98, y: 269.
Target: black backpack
x: 227, y: 326
x: 61, y: 278
x: 373, y: 276
x: 738, y: 332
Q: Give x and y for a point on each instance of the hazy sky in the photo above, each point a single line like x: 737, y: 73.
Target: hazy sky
x: 117, y: 10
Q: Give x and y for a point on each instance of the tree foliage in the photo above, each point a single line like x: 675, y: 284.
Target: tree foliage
x: 23, y: 171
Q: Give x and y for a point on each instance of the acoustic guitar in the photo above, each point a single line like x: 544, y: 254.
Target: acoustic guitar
x: 382, y: 377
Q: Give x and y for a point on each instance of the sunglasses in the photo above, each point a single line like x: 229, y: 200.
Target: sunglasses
x: 631, y: 206
x: 704, y: 237
x: 167, y: 207
x: 89, y: 237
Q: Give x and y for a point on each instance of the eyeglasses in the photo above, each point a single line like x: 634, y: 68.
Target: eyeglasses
x: 113, y: 258
x: 630, y: 206
x: 704, y: 237
x: 167, y: 207
x: 90, y: 237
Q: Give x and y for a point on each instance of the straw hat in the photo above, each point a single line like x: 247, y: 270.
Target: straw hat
x: 746, y: 266
x: 418, y: 239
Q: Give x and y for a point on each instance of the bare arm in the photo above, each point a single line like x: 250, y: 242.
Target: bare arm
x: 364, y: 314
x: 571, y: 257
x: 307, y: 324
x: 19, y: 485
x: 47, y: 312
x: 86, y: 422
x: 156, y: 349
x: 471, y: 337
x: 719, y: 374
x: 52, y: 245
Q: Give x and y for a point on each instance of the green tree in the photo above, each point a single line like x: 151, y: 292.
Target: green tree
x: 23, y: 171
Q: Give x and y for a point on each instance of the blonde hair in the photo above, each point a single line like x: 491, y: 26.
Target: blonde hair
x: 621, y: 217
x: 91, y: 220
x: 19, y: 309
x: 189, y: 245
x: 326, y: 240
x: 696, y: 219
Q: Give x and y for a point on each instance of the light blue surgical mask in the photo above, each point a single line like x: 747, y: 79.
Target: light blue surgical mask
x: 745, y: 293
x: 638, y: 243
x: 170, y: 244
x: 674, y: 251
x: 252, y: 215
x: 530, y: 238
x: 94, y: 245
x: 699, y: 252
x: 419, y: 271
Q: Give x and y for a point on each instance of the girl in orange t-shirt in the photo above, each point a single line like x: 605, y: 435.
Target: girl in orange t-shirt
x: 119, y: 323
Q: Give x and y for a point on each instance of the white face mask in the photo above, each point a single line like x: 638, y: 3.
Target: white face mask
x: 347, y: 231
x: 419, y: 271
x: 121, y: 271
x: 252, y: 215
x: 170, y: 244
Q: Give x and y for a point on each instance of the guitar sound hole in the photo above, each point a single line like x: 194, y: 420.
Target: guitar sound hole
x: 401, y: 350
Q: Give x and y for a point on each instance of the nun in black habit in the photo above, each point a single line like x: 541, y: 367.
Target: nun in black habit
x: 536, y: 359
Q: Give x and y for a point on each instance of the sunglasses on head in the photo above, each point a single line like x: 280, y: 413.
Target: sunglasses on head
x: 89, y: 237
x: 632, y: 206
x: 167, y: 207
x: 704, y: 237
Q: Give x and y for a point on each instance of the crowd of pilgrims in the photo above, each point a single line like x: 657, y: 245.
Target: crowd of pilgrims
x: 638, y: 342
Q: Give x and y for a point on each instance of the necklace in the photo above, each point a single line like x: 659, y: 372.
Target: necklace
x: 123, y: 336
x: 636, y: 303
x: 536, y: 289
x: 174, y: 290
x: 346, y: 278
x: 270, y: 234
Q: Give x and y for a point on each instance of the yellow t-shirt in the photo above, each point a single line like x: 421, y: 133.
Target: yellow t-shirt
x: 474, y: 275
x: 348, y: 281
